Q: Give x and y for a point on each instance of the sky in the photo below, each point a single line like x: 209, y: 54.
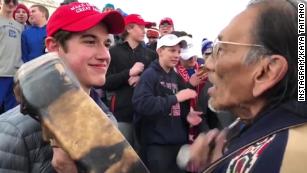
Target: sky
x: 201, y: 18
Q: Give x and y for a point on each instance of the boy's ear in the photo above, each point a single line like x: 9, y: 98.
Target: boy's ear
x: 51, y: 44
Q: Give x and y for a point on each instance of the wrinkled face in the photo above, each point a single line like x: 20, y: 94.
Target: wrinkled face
x: 36, y: 16
x: 21, y: 16
x: 165, y: 28
x: 88, y: 56
x: 232, y: 80
x: 190, y: 63
x: 137, y: 32
x: 169, y: 56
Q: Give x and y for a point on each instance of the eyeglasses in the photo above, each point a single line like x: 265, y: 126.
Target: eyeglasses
x: 217, y: 46
x: 15, y: 2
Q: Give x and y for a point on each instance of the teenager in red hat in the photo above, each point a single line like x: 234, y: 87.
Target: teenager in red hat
x: 21, y: 14
x: 79, y: 39
x: 166, y: 26
x: 129, y: 59
x: 152, y: 35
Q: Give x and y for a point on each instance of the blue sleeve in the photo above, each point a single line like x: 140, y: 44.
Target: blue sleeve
x: 24, y: 47
x: 144, y: 100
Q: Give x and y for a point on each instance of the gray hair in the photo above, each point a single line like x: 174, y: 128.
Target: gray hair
x: 277, y: 37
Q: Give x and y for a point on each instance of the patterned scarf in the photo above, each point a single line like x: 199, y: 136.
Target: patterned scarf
x: 186, y: 77
x: 193, y: 130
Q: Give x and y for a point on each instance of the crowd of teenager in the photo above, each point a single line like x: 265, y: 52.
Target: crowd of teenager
x: 162, y: 94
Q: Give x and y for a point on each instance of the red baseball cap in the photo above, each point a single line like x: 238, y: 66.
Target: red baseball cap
x: 22, y: 6
x: 152, y: 33
x: 166, y: 20
x: 137, y: 19
x: 77, y: 17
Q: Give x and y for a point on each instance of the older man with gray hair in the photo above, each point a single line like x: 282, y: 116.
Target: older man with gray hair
x: 253, y: 69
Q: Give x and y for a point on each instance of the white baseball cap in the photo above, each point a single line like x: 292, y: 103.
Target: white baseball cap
x: 188, y: 52
x: 172, y: 40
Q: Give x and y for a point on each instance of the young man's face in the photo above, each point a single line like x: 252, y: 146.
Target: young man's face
x: 137, y: 32
x: 190, y: 63
x: 169, y: 56
x: 36, y: 16
x: 88, y: 56
x: 166, y: 28
x: 21, y: 16
x: 8, y: 6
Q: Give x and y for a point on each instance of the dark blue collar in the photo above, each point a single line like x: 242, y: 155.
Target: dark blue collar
x: 94, y: 95
x: 291, y: 113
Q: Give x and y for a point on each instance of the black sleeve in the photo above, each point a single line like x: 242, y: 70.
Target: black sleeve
x: 210, y: 119
x: 183, y: 84
x: 114, y: 78
x: 146, y: 102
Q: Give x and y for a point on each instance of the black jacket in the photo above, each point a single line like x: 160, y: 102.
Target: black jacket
x: 152, y: 46
x: 157, y: 119
x: 22, y: 149
x: 119, y: 92
x: 212, y: 119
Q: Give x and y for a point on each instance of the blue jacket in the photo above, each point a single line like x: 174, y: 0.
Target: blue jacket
x: 275, y: 142
x: 159, y: 118
x: 33, y: 42
x: 94, y: 95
